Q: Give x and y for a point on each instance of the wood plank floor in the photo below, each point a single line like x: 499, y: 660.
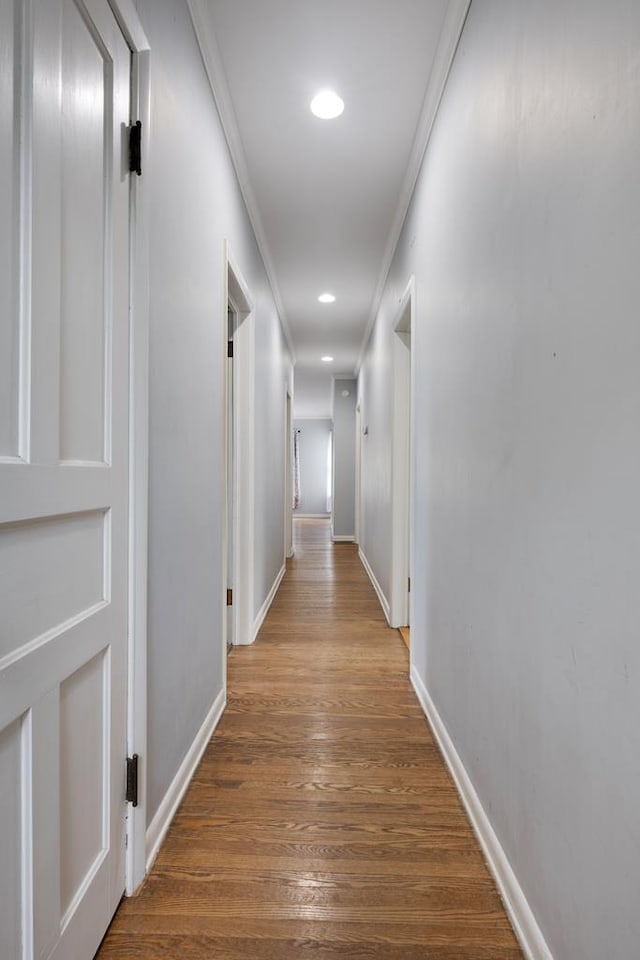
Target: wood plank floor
x: 322, y: 823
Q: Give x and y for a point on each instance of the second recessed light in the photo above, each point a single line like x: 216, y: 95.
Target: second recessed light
x: 327, y: 298
x: 327, y: 105
x: 327, y: 359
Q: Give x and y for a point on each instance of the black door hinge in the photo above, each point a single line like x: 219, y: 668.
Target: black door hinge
x: 229, y: 597
x: 408, y: 584
x: 230, y: 348
x: 135, y: 148
x: 132, y: 780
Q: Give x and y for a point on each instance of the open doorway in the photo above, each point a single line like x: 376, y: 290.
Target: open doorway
x: 288, y: 475
x: 239, y: 458
x: 232, y: 475
x: 358, y: 481
x: 400, y: 607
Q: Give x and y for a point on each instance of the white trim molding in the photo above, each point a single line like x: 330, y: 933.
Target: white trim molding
x: 129, y: 22
x: 220, y: 89
x: 288, y: 471
x: 522, y: 919
x: 342, y: 538
x: 241, y: 525
x: 166, y: 811
x: 384, y: 603
x: 264, y: 609
x: 314, y: 416
x: 402, y: 459
x: 450, y: 34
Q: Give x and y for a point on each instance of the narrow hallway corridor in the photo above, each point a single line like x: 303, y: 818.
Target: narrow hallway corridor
x: 322, y: 822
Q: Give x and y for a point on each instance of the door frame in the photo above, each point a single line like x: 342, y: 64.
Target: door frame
x: 288, y: 474
x: 358, y: 468
x: 231, y: 477
x: 236, y: 292
x: 133, y: 32
x: 402, y: 460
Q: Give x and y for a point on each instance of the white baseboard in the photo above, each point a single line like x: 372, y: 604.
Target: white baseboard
x: 384, y: 603
x: 161, y: 822
x: 311, y: 516
x: 338, y: 538
x: 264, y: 609
x: 522, y: 919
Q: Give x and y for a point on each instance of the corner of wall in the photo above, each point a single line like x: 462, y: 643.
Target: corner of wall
x: 520, y: 914
x: 264, y: 609
x: 384, y: 603
x: 159, y: 826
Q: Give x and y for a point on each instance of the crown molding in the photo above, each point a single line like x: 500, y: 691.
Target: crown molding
x: 450, y: 34
x: 216, y: 75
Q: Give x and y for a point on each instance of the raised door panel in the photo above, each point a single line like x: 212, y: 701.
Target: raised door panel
x: 11, y: 830
x: 87, y: 80
x: 84, y: 738
x: 52, y: 572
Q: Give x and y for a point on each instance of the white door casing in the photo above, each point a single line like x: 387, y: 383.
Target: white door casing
x: 237, y: 294
x: 401, y: 471
x: 232, y: 479
x: 288, y: 475
x: 64, y: 474
x: 358, y: 482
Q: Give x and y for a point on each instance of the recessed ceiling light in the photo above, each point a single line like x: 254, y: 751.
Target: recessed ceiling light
x: 327, y: 359
x: 327, y: 298
x: 327, y: 105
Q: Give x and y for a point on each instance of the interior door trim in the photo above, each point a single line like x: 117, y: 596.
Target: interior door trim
x: 129, y: 22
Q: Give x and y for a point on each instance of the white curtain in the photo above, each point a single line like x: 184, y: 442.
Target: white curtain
x: 296, y: 469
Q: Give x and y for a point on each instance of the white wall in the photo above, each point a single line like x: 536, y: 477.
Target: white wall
x: 196, y: 204
x: 343, y: 521
x: 376, y: 416
x: 273, y: 375
x: 523, y: 234
x: 313, y: 392
x: 313, y: 446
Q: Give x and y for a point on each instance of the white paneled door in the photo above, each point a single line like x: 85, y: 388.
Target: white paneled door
x: 64, y: 413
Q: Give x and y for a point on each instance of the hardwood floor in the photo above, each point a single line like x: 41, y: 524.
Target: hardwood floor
x: 322, y: 822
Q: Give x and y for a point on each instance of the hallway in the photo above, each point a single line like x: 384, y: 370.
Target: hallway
x: 322, y: 822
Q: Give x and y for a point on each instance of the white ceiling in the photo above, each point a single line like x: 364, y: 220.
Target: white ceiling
x: 327, y: 197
